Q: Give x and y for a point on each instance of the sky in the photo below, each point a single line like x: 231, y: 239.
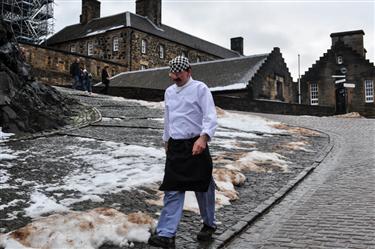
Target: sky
x: 297, y: 27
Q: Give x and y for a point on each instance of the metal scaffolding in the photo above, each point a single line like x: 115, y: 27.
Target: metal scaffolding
x: 31, y: 20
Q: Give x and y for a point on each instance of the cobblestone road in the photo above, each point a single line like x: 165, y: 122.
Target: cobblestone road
x: 335, y: 206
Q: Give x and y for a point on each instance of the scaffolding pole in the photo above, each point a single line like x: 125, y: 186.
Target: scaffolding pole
x: 31, y: 20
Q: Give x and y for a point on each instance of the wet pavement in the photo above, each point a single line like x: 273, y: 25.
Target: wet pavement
x: 334, y: 207
x: 49, y: 162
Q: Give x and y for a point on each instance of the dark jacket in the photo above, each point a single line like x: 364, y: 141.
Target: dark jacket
x: 105, y: 77
x: 74, y: 69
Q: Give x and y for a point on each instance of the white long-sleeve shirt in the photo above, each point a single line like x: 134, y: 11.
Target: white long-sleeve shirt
x: 189, y: 111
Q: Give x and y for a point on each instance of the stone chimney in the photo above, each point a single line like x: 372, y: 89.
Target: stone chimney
x: 90, y: 10
x: 236, y: 44
x: 353, y: 39
x: 150, y: 9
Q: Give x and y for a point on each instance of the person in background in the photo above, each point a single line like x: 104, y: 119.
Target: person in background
x: 86, y: 81
x: 75, y: 72
x: 105, y: 80
x: 189, y: 123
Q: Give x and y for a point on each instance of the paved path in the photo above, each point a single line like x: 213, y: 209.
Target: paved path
x: 335, y: 206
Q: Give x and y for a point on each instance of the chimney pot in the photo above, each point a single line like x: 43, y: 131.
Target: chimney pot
x: 236, y: 44
x: 353, y: 39
x: 150, y: 9
x: 90, y: 10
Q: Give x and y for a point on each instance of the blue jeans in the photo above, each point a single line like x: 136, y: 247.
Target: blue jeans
x: 76, y: 82
x: 173, y: 206
x: 87, y: 85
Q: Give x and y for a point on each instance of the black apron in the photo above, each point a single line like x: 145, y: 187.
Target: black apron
x: 183, y: 171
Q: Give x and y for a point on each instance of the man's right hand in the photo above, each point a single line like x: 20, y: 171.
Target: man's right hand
x: 166, y: 147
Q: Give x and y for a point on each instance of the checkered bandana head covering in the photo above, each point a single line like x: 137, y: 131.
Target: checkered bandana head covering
x: 178, y: 64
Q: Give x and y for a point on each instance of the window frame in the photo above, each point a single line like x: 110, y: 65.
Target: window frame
x: 90, y: 48
x: 314, y: 94
x: 73, y: 48
x: 369, y: 91
x: 143, y: 46
x: 339, y: 60
x: 115, y: 44
x: 161, y: 51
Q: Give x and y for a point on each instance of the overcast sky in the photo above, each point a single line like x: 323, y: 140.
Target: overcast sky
x: 296, y: 27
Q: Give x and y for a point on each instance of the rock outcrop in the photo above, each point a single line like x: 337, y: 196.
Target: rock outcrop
x: 26, y: 106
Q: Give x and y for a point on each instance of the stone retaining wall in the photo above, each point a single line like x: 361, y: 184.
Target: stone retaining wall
x: 51, y: 66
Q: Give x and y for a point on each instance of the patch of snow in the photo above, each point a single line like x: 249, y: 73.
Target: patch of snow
x: 258, y: 157
x: 111, y: 168
x: 6, y: 153
x: 89, y: 230
x: 11, y: 204
x: 4, y: 136
x: 247, y: 122
x: 41, y: 204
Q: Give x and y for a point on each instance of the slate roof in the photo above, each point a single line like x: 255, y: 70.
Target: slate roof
x: 131, y: 20
x: 218, y: 73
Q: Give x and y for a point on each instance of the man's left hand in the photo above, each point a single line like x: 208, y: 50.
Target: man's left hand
x: 200, y: 145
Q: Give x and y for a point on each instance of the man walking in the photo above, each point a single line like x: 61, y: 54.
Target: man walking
x: 105, y: 80
x: 75, y: 72
x: 189, y: 123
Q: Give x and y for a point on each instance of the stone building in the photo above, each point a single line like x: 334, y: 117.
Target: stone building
x: 257, y: 77
x: 342, y: 78
x: 138, y: 41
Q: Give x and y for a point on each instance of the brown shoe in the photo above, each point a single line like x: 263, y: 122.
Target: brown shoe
x: 205, y: 233
x: 163, y: 242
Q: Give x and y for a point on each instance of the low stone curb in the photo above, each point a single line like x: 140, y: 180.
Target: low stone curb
x: 85, y: 117
x: 266, y: 205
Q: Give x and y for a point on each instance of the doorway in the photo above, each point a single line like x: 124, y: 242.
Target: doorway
x: 340, y: 99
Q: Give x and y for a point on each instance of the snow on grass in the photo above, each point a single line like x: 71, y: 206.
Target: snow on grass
x: 248, y: 122
x: 297, y: 145
x: 109, y: 168
x: 260, y: 162
x: 6, y: 153
x: 10, y: 204
x: 41, y: 204
x: 89, y: 230
x: 4, y: 136
x: 116, y: 167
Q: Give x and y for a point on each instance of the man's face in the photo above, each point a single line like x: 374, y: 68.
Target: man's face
x: 180, y: 78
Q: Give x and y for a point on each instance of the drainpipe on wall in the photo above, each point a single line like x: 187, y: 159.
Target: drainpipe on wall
x: 129, y: 42
x: 299, y: 82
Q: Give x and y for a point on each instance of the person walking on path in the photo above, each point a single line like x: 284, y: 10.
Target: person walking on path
x: 75, y: 72
x: 86, y: 81
x: 105, y: 80
x: 189, y: 123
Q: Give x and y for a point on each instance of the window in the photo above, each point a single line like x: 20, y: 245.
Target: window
x: 73, y: 48
x: 339, y: 60
x: 115, y: 44
x: 143, y: 67
x: 90, y: 48
x: 314, y: 94
x: 369, y: 91
x: 161, y: 52
x: 184, y: 54
x: 198, y: 59
x: 279, y: 87
x: 144, y: 46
